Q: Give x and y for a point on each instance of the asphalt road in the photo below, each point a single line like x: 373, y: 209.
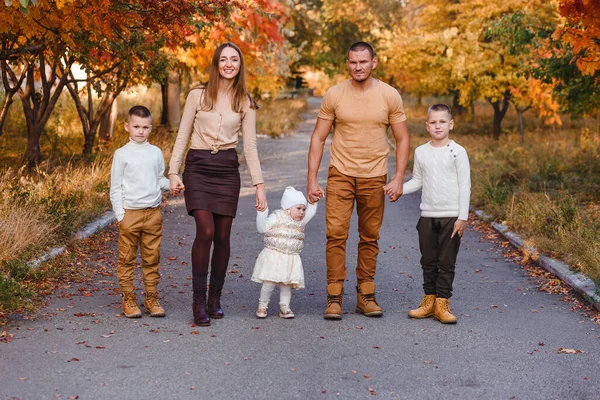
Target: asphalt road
x: 505, y: 345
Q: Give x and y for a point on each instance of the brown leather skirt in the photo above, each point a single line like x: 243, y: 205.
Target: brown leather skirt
x: 212, y: 181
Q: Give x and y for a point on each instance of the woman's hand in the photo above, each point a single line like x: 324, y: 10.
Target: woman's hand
x: 261, y: 197
x: 176, y: 184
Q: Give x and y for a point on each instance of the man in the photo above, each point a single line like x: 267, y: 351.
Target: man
x: 360, y: 109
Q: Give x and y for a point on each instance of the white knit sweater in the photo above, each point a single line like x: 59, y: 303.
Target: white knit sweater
x: 445, y: 176
x: 137, y: 177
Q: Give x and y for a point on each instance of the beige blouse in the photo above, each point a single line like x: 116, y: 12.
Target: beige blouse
x: 216, y: 130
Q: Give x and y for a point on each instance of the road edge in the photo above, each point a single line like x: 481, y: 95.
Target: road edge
x: 579, y: 282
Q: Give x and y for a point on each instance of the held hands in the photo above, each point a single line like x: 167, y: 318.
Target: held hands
x: 261, y: 197
x: 314, y: 192
x: 393, y: 189
x: 459, y: 227
x: 176, y: 184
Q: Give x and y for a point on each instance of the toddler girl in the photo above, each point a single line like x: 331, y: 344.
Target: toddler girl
x: 279, y: 263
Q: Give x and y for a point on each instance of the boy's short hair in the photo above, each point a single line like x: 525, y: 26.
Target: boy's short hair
x: 139, y: 111
x: 358, y: 46
x: 440, y: 107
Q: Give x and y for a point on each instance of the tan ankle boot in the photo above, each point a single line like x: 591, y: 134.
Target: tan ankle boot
x: 425, y: 309
x: 365, y: 300
x: 152, y: 305
x: 130, y: 307
x: 335, y: 293
x: 442, y: 311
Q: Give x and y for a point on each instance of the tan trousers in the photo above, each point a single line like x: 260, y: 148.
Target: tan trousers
x: 342, y: 192
x: 141, y: 228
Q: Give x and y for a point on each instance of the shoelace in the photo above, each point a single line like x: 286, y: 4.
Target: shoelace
x: 369, y: 297
x: 334, y: 299
x: 130, y: 302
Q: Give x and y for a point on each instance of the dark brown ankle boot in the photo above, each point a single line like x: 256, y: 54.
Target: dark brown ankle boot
x: 199, y: 309
x: 214, y: 303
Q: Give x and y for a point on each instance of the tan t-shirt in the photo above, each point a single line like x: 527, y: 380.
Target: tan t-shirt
x: 359, y: 147
x: 216, y: 129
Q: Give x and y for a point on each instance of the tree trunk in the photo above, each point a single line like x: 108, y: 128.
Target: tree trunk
x: 33, y: 154
x: 90, y: 119
x: 164, y: 115
x: 38, y: 106
x: 4, y: 112
x: 457, y: 108
x: 107, y: 124
x: 8, y: 76
x: 174, y: 100
x: 500, y: 109
x: 521, y: 128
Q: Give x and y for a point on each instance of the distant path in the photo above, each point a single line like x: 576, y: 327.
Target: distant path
x: 505, y: 345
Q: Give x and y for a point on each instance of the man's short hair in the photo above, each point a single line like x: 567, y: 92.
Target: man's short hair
x: 359, y: 46
x: 440, y: 107
x: 139, y: 111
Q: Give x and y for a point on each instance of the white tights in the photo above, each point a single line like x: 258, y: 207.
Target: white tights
x: 285, y: 293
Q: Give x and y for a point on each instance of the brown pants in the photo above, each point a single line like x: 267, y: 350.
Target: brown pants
x: 342, y: 192
x: 141, y: 228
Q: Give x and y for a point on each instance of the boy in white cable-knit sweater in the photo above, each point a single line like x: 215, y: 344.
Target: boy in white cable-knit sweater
x: 137, y: 177
x: 441, y: 169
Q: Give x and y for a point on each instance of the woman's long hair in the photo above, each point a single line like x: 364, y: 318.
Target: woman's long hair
x: 239, y: 92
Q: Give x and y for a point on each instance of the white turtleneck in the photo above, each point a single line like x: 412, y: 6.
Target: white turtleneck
x: 445, y: 176
x: 137, y: 177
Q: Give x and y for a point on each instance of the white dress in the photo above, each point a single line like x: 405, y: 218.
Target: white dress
x: 280, y: 261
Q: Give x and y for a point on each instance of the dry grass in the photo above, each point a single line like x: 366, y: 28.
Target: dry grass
x: 21, y: 227
x: 277, y: 118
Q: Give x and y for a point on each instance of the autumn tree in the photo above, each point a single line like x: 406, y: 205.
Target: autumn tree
x: 133, y: 46
x: 572, y: 58
x: 323, y: 30
x: 456, y: 53
x: 258, y: 27
x: 33, y: 56
x: 117, y: 44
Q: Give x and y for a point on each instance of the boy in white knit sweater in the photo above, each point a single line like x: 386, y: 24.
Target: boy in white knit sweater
x: 441, y: 169
x: 137, y: 177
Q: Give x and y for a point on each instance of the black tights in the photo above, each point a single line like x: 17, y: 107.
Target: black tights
x: 210, y: 228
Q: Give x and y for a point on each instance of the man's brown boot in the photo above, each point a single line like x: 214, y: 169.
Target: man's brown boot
x: 130, y: 307
x: 152, y: 305
x: 365, y: 300
x: 442, y: 311
x: 425, y: 309
x: 335, y: 293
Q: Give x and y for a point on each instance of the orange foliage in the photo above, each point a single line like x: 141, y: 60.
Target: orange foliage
x: 582, y: 31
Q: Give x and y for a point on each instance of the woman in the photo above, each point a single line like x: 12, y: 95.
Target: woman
x: 215, y: 114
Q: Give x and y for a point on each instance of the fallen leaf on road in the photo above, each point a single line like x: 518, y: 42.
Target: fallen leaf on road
x: 372, y: 391
x: 376, y: 347
x: 172, y: 258
x: 568, y: 351
x: 194, y: 333
x: 73, y: 359
x: 23, y: 379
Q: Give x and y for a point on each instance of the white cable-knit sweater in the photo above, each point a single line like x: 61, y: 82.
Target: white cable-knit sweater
x: 445, y: 176
x: 137, y: 177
